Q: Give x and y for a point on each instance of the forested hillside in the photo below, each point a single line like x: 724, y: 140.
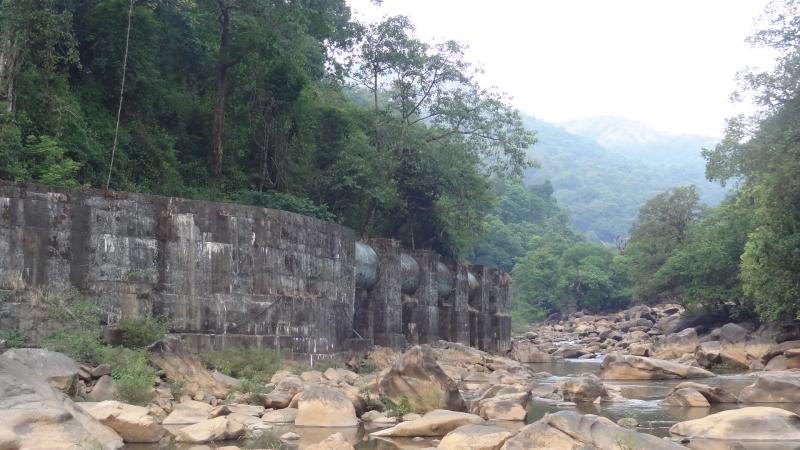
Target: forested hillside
x: 604, y: 169
x: 253, y: 101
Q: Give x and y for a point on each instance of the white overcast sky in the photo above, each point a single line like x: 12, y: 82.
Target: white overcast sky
x: 667, y: 63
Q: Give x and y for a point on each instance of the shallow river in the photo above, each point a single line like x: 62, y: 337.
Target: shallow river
x: 642, y: 404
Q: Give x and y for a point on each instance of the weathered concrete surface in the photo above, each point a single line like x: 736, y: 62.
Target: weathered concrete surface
x: 454, y: 306
x: 225, y: 274
x: 382, y: 303
x: 426, y: 313
x: 231, y: 275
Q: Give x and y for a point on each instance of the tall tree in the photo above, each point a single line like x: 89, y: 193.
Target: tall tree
x: 224, y: 63
x: 762, y: 153
x: 660, y: 228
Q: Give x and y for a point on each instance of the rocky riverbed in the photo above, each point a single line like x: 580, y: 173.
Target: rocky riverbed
x: 641, y: 378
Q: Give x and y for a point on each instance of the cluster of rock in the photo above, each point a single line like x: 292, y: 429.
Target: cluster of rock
x: 662, y: 332
x: 633, y: 331
x: 461, y: 397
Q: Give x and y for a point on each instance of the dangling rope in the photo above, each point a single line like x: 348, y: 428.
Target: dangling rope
x: 121, y: 93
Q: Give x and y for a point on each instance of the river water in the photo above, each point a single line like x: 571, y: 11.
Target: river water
x: 642, y: 397
x: 642, y: 403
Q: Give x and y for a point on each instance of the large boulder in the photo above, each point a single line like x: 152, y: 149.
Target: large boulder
x: 504, y: 407
x: 435, y: 423
x: 676, y: 344
x: 583, y: 389
x: 286, y: 415
x: 627, y: 367
x: 338, y: 375
x: 571, y: 430
x: 780, y: 349
x: 731, y: 333
x: 180, y: 365
x: 133, y: 423
x: 320, y: 406
x: 102, y: 390
x: 686, y: 397
x: 773, y: 387
x: 569, y: 351
x: 745, y: 424
x: 188, y: 412
x: 417, y: 377
x: 57, y: 368
x: 712, y: 394
x: 707, y: 354
x: 221, y: 428
x: 36, y: 416
x: 639, y: 349
x: 278, y: 399
x: 527, y: 352
x: 475, y: 437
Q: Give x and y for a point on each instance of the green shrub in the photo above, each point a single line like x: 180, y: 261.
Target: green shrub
x: 69, y: 310
x: 82, y: 346
x: 133, y: 376
x: 140, y: 332
x: 366, y: 366
x: 286, y: 202
x: 255, y: 390
x: 177, y: 388
x: 77, y: 326
x: 254, y: 364
x: 403, y: 406
x: 13, y: 338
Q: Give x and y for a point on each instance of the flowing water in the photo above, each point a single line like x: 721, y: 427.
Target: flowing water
x: 642, y: 403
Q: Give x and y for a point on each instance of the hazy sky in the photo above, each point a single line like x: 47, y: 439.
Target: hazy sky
x: 667, y: 63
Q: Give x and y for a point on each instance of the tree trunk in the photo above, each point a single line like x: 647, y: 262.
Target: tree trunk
x: 8, y: 60
x: 223, y: 66
x: 264, y: 176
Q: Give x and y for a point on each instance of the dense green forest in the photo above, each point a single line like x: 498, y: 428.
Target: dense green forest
x: 554, y: 268
x: 291, y: 105
x: 295, y: 105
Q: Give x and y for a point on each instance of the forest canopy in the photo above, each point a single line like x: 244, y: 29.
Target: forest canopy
x: 292, y: 105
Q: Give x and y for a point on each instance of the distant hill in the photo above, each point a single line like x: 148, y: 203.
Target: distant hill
x: 603, y: 169
x: 635, y: 140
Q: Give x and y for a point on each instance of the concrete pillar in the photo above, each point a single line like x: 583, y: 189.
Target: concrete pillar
x: 480, y: 322
x: 453, y: 307
x: 426, y: 312
x: 409, y: 284
x: 385, y: 296
x: 503, y: 283
x: 460, y: 317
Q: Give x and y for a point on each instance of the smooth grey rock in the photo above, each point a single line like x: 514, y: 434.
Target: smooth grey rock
x: 57, y: 368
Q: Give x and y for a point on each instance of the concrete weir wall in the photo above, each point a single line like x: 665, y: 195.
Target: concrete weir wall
x: 227, y: 275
